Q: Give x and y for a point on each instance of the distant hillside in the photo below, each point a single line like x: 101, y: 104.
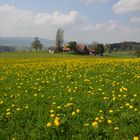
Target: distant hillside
x: 125, y: 46
x: 7, y: 49
x: 23, y: 43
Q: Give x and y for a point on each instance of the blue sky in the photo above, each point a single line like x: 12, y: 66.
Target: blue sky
x: 82, y: 20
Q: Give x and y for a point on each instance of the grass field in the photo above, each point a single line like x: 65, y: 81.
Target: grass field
x: 69, y: 97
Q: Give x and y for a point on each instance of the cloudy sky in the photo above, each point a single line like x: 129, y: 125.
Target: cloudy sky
x: 82, y: 20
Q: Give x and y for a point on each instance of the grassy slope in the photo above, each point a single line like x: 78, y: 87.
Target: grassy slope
x: 34, y: 86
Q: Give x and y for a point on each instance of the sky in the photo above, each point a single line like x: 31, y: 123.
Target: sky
x: 104, y: 21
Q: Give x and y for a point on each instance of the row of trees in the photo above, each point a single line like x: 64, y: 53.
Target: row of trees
x: 7, y: 49
x: 37, y: 45
x: 97, y: 47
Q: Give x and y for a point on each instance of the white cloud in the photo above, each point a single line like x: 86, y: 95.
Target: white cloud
x: 110, y: 25
x: 111, y: 31
x: 94, y: 1
x: 125, y: 6
x: 17, y: 22
x: 135, y: 20
x: 57, y: 18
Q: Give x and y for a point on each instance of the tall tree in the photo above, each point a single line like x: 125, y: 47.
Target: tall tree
x: 36, y: 44
x: 99, y: 49
x: 72, y: 45
x: 59, y: 39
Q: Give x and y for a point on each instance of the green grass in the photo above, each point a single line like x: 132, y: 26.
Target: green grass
x: 124, y: 54
x: 77, y: 95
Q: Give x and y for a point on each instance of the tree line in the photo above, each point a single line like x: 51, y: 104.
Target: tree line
x: 97, y: 48
x: 7, y: 49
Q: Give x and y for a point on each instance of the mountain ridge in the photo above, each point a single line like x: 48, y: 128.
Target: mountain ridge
x: 24, y: 43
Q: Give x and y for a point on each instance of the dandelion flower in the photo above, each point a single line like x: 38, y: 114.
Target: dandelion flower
x: 51, y: 111
x: 8, y: 113
x: 1, y: 102
x: 49, y: 124
x: 95, y: 124
x: 35, y: 94
x: 109, y: 121
x: 56, y: 122
x: 100, y: 111
x: 78, y: 110
x: 86, y: 124
x: 52, y: 115
x: 116, y: 128
x: 56, y: 118
x: 18, y: 109
x: 111, y: 111
x: 73, y: 113
x: 96, y: 118
x: 58, y: 107
x: 121, y: 89
x: 136, y: 138
x: 130, y: 106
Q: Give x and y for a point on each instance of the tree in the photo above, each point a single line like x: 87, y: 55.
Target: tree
x: 72, y: 45
x: 107, y: 48
x: 59, y: 39
x: 99, y: 49
x: 36, y: 44
x: 137, y: 51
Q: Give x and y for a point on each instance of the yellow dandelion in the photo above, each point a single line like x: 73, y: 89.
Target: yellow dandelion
x: 56, y: 122
x: 78, y: 110
x: 35, y: 94
x: 49, y: 124
x: 130, y: 106
x: 100, y: 121
x: 100, y: 111
x: 56, y: 118
x: 8, y: 113
x: 127, y: 104
x: 8, y: 109
x: 96, y: 118
x: 121, y: 89
x: 51, y: 111
x: 116, y: 128
x: 109, y: 121
x: 54, y: 103
x: 58, y: 107
x: 1, y: 102
x: 73, y: 113
x: 95, y: 124
x: 52, y: 115
x: 18, y: 109
x: 13, y: 105
x: 136, y: 138
x: 125, y: 89
x: 86, y: 124
x: 26, y: 107
x: 111, y: 111
x: 124, y: 95
x: 135, y: 95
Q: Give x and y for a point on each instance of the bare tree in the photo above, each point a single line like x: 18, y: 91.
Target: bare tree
x: 59, y: 39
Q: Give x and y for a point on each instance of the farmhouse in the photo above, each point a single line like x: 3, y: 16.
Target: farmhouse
x: 92, y: 51
x: 66, y: 48
x: 52, y: 49
x: 82, y: 49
